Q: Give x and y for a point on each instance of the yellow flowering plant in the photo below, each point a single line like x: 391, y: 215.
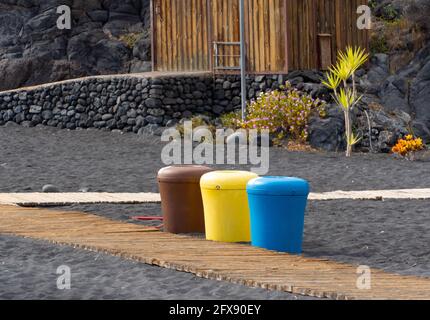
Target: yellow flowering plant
x: 345, y: 93
x: 408, y: 146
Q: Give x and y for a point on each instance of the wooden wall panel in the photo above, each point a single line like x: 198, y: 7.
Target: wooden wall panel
x: 265, y: 34
x: 310, y: 19
x: 281, y: 35
x: 181, y: 35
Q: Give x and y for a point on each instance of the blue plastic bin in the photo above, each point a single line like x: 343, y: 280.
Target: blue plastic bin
x: 277, y: 207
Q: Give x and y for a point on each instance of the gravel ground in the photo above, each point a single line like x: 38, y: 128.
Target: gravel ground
x: 392, y: 235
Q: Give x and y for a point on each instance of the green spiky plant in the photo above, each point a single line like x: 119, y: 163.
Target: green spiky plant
x: 344, y: 91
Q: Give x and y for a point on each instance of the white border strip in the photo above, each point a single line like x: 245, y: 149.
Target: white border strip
x: 60, y: 199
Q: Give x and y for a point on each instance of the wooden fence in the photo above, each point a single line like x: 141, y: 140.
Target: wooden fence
x: 281, y: 35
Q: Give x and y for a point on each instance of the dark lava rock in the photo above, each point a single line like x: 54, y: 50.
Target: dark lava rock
x: 93, y: 46
x: 327, y: 134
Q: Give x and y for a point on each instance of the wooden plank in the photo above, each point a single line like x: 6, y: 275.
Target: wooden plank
x: 169, y: 34
x: 174, y: 37
x: 180, y: 34
x: 266, y: 12
x: 185, y: 57
x: 275, y: 36
x: 257, y: 45
x: 314, y: 36
x: 198, y: 48
x: 236, y: 32
x: 221, y: 27
x: 312, y: 31
x: 215, y: 19
x: 293, y: 44
x: 303, y: 35
x: 229, y: 31
x: 262, y: 35
x: 194, y: 35
x: 190, y: 36
x: 280, y: 31
x: 352, y: 22
x: 164, y: 34
x: 360, y: 38
x: 158, y: 32
x: 208, y: 34
x: 332, y: 15
x: 338, y: 26
x: 248, y: 29
x: 236, y: 263
x: 347, y: 22
x: 285, y: 26
x: 344, y: 28
x: 153, y: 34
x: 290, y: 42
x: 225, y: 32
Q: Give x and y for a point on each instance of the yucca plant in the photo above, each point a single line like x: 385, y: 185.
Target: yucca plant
x: 345, y: 91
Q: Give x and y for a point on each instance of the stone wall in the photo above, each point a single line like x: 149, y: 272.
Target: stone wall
x: 133, y: 103
x: 127, y: 103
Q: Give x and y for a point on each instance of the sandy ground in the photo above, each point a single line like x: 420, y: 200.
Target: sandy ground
x: 111, y: 162
x: 392, y: 235
x: 28, y: 270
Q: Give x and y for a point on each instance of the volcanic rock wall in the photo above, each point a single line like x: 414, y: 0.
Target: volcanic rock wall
x: 127, y: 102
x: 107, y: 37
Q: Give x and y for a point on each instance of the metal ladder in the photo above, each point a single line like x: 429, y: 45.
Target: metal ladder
x: 217, y: 55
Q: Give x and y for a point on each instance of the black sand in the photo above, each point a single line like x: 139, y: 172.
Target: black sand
x: 28, y: 271
x: 111, y: 162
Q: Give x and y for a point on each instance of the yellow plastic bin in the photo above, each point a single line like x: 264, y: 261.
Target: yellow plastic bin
x: 225, y: 203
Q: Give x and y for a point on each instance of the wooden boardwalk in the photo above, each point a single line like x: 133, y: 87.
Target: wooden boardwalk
x: 59, y: 199
x: 236, y: 263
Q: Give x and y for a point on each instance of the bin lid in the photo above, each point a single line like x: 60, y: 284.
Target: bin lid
x: 226, y: 180
x: 182, y: 173
x: 278, y: 186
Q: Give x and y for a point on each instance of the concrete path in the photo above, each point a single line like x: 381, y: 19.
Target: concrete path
x: 59, y: 199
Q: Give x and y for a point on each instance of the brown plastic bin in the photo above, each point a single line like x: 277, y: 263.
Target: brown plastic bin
x: 181, y: 198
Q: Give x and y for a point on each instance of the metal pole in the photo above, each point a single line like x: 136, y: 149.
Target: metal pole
x: 243, y: 58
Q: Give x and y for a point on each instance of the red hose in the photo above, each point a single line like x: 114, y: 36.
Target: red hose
x: 149, y: 218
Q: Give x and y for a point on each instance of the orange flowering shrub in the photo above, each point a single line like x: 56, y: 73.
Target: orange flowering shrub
x: 408, y: 146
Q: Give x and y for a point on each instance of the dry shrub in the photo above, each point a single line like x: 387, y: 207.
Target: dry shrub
x: 418, y: 12
x: 401, y: 38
